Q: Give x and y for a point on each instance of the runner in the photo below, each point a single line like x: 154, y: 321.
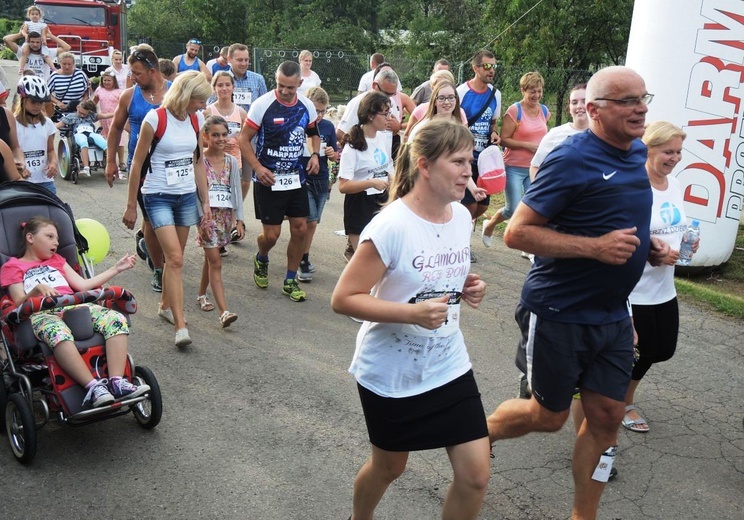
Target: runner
x: 249, y: 86
x: 281, y: 120
x: 482, y: 104
x: 134, y: 104
x: 190, y: 59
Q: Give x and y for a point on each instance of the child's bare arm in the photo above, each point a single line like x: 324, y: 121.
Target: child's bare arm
x: 24, y: 31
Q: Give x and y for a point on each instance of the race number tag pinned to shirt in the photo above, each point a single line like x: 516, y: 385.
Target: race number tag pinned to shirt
x: 285, y: 181
x: 35, y: 160
x: 179, y: 171
x: 84, y: 127
x: 242, y: 96
x: 220, y: 196
x: 380, y: 172
x: 44, y: 274
x: 451, y: 325
x: 233, y: 129
x: 480, y: 142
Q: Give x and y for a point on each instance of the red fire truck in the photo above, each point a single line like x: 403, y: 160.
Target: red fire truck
x: 93, y: 28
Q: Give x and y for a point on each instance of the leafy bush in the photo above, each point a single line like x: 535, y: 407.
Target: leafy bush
x: 7, y: 54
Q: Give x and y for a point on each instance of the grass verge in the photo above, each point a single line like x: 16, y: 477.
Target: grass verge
x: 727, y: 304
x: 721, y: 287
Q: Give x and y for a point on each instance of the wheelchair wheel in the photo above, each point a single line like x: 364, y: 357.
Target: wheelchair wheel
x: 21, y: 428
x: 65, y: 158
x: 75, y: 169
x: 3, y: 400
x: 149, y: 411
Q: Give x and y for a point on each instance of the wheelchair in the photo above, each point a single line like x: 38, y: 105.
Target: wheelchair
x: 33, y: 387
x: 69, y: 158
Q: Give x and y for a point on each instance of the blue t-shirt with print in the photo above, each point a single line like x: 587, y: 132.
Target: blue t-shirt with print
x: 281, y: 132
x: 587, y: 187
x: 327, y: 138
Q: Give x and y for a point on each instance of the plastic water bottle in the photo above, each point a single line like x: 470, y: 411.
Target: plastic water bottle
x: 692, y: 233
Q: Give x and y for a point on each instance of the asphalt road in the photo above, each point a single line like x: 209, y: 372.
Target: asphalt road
x: 262, y: 421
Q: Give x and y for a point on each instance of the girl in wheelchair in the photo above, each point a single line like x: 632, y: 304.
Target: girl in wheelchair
x: 82, y: 122
x: 43, y: 272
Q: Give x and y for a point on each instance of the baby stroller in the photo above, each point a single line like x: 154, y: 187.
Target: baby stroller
x: 33, y: 387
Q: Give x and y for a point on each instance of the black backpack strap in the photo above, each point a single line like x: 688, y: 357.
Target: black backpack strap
x: 471, y: 121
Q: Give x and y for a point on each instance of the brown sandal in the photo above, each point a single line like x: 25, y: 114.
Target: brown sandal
x: 204, y: 304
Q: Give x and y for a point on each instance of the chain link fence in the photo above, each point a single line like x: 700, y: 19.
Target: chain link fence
x: 340, y: 71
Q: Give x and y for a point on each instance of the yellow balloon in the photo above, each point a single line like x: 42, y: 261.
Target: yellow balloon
x: 98, y: 239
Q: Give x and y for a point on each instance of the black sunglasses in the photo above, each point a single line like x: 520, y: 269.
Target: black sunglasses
x: 140, y: 56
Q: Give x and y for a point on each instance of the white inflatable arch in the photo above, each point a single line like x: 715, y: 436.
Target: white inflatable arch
x: 691, y: 55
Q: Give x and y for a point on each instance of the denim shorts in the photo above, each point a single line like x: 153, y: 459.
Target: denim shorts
x: 317, y: 195
x: 165, y: 209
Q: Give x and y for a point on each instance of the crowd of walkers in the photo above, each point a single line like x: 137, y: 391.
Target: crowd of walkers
x: 587, y: 202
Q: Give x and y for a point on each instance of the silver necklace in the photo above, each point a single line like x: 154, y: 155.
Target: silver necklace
x: 433, y: 225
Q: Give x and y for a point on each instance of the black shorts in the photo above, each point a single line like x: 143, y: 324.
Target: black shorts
x: 560, y: 357
x: 657, y: 327
x: 468, y: 198
x: 272, y: 206
x: 446, y: 416
x: 359, y: 209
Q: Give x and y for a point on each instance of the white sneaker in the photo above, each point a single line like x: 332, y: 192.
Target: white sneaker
x: 86, y: 171
x: 487, y: 241
x: 528, y: 256
x: 167, y: 315
x: 183, y: 338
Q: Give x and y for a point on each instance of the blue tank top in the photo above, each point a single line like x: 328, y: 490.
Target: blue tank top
x: 138, y: 109
x: 183, y: 67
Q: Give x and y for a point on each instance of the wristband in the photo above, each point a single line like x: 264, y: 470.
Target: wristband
x: 315, y: 153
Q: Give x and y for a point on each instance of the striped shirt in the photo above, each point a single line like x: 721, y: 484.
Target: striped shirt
x: 69, y: 88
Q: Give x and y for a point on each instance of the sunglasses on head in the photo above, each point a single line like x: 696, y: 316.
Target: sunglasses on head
x: 194, y: 41
x: 140, y: 56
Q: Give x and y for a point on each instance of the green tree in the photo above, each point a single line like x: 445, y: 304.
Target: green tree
x: 564, y: 38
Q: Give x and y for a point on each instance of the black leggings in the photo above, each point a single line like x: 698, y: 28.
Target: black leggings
x: 657, y: 327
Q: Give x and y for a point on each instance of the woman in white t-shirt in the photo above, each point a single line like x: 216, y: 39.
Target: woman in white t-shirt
x: 309, y: 77
x: 407, y: 281
x: 120, y: 70
x: 36, y: 132
x: 654, y: 298
x: 555, y: 136
x: 170, y: 187
x: 366, y: 165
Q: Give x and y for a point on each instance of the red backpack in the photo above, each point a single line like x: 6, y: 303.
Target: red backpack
x: 159, y: 132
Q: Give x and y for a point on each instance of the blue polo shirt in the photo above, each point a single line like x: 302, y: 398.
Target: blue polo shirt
x: 587, y: 187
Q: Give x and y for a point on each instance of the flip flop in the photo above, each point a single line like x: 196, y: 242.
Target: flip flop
x: 633, y: 424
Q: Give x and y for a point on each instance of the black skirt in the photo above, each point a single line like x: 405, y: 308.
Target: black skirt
x: 360, y: 208
x: 446, y: 416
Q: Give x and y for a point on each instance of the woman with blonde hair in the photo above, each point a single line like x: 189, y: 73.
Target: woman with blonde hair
x: 421, y: 397
x: 309, y: 78
x: 176, y: 172
x: 420, y: 111
x: 654, y: 299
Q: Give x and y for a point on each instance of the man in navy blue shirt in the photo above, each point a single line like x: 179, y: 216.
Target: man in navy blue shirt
x: 586, y: 218
x: 281, y: 121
